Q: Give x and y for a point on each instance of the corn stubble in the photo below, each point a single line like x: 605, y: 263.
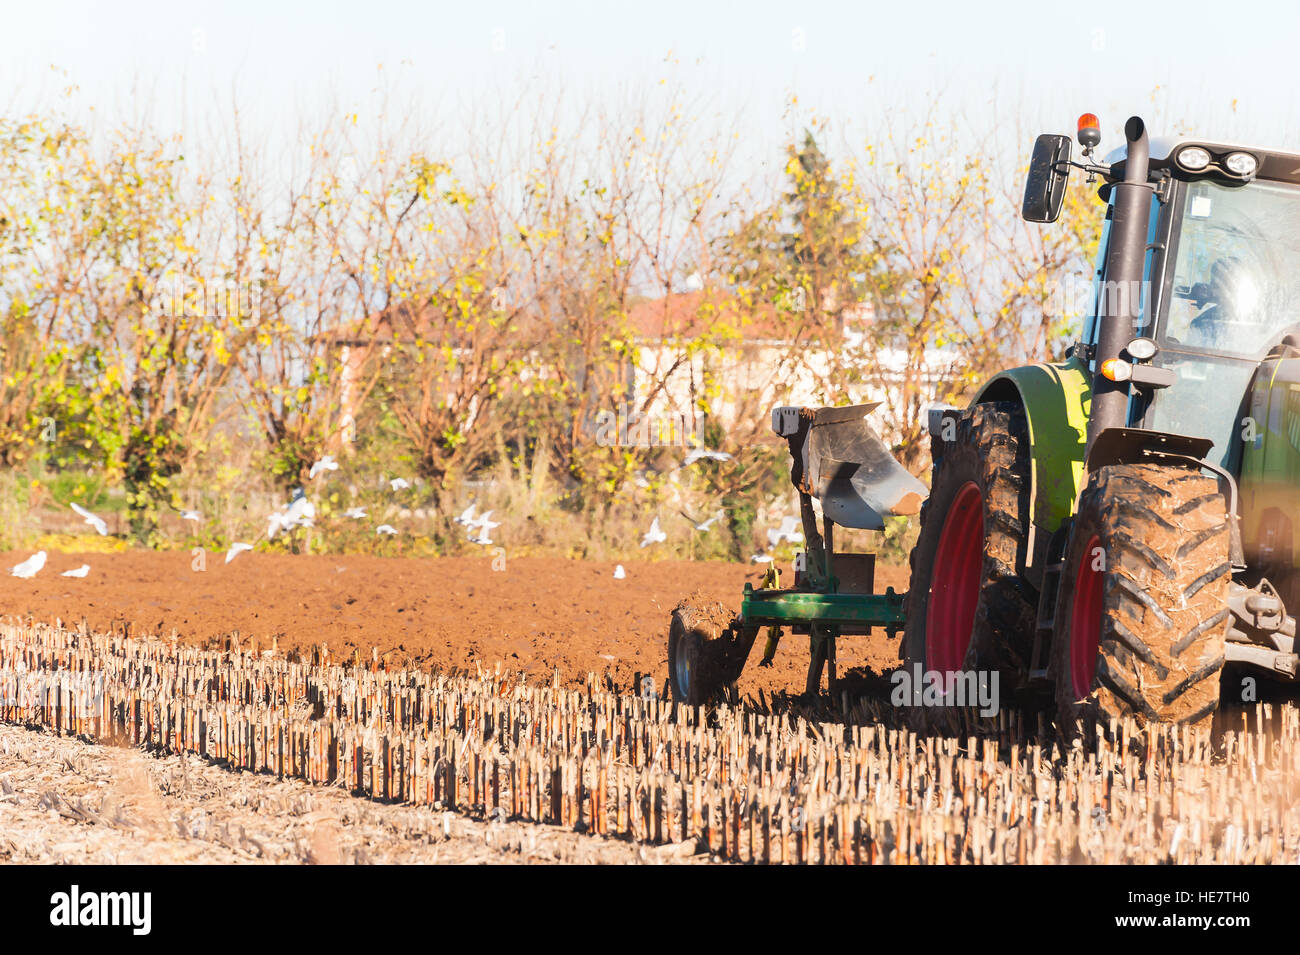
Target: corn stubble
x: 769, y: 781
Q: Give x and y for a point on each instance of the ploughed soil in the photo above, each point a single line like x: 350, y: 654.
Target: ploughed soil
x: 534, y: 615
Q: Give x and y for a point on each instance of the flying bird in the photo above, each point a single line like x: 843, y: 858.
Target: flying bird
x: 399, y: 484
x: 654, y: 535
x: 194, y: 516
x: 300, y: 512
x: 356, y: 513
x: 29, y: 568
x: 235, y: 550
x: 326, y: 463
x: 702, y: 526
x: 700, y: 454
x: 788, y: 531
x: 386, y: 529
x: 81, y: 571
x: 96, y: 522
x: 483, y: 524
x: 466, y: 516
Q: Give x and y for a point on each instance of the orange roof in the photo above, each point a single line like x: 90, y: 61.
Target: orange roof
x: 693, y: 314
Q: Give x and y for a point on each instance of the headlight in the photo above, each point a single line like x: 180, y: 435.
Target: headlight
x: 1195, y: 158
x: 1143, y: 349
x: 1241, y: 164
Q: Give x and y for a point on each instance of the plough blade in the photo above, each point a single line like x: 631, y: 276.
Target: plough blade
x: 840, y: 460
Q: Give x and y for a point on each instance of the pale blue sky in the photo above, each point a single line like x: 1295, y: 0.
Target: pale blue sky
x: 280, y: 61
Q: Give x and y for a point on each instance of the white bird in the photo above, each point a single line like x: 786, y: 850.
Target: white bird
x: 699, y: 454
x: 619, y: 572
x: 761, y: 559
x: 235, y: 550
x: 483, y: 524
x: 96, y: 522
x: 356, y: 513
x: 703, y: 526
x: 399, y: 484
x: 326, y: 463
x: 788, y: 531
x: 29, y: 568
x: 81, y: 571
x: 300, y: 511
x: 194, y: 516
x: 386, y: 529
x: 466, y: 516
x: 482, y: 540
x: 654, y: 535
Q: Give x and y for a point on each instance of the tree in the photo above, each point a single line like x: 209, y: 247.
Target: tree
x: 158, y: 329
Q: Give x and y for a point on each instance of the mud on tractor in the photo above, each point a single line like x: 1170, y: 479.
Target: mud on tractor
x: 1115, y: 530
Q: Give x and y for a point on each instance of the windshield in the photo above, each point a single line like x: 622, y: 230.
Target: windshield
x: 1236, y: 283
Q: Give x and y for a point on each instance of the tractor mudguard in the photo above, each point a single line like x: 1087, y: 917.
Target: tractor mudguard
x: 1138, y: 445
x: 1056, y: 399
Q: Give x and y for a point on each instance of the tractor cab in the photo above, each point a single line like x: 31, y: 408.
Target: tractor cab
x: 1220, y: 285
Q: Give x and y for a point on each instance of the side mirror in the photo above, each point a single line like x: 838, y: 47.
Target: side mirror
x: 1045, y: 184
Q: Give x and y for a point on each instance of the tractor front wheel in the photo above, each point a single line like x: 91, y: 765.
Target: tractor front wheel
x: 1142, y: 612
x: 969, y: 605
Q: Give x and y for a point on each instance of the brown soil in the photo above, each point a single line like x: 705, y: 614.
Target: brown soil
x: 534, y: 616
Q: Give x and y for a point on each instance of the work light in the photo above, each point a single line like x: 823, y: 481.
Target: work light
x: 1241, y: 164
x: 1193, y: 158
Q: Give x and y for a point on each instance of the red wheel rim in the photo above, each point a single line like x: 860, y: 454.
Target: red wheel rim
x: 955, y: 587
x: 1085, y: 621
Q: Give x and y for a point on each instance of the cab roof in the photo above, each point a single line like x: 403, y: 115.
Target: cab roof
x: 1274, y: 164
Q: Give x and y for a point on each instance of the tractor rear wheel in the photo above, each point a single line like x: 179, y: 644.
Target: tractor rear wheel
x: 706, y: 650
x: 1142, y: 612
x: 969, y: 605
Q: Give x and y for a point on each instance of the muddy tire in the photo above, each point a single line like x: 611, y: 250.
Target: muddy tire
x: 1142, y: 613
x: 969, y: 605
x: 706, y: 651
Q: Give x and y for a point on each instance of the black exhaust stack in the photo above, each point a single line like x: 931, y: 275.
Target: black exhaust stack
x: 1120, y: 305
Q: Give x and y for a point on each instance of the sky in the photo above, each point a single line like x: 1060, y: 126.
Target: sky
x: 1218, y: 68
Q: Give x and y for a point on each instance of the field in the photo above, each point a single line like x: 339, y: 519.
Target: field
x: 458, y: 713
x: 536, y: 616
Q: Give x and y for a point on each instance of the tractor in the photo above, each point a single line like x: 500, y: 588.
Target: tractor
x: 1113, y: 533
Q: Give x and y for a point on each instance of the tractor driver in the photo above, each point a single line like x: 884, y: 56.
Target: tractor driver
x: 1232, y: 298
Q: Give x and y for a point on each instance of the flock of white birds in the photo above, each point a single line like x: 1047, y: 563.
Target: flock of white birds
x: 300, y: 512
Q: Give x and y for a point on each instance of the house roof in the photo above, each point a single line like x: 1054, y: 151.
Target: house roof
x: 695, y: 314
